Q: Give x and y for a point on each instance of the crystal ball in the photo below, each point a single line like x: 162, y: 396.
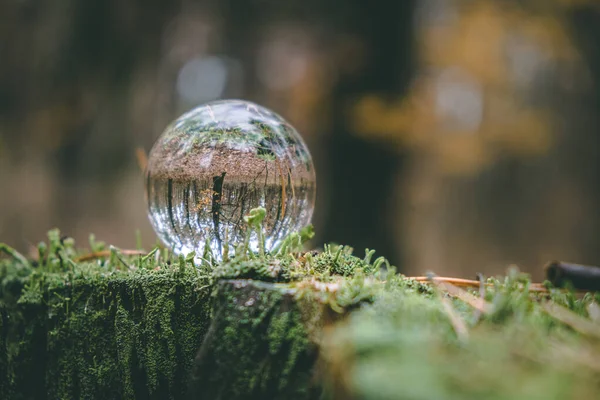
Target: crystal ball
x: 214, y: 164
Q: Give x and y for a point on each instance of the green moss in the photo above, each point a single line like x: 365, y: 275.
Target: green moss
x: 404, y: 342
x: 258, y: 325
x: 258, y: 346
x: 93, y: 330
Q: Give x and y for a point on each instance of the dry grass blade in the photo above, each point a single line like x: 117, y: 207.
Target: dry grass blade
x: 457, y: 322
x: 478, y: 313
x: 562, y: 356
x: 577, y: 322
x: 142, y: 158
x: 593, y: 310
x: 585, y: 356
x: 476, y: 302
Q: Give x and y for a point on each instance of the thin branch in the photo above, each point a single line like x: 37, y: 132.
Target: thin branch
x: 106, y: 253
x: 584, y: 277
x: 470, y: 283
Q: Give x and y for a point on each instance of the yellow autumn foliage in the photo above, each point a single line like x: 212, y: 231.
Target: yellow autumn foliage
x: 480, y: 93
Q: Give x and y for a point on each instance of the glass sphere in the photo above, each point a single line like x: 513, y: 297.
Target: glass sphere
x: 214, y: 164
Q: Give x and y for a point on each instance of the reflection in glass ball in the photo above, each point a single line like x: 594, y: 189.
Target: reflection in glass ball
x: 214, y: 164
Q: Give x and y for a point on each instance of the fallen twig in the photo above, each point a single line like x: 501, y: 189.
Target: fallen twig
x: 106, y: 253
x: 583, y: 277
x: 470, y: 283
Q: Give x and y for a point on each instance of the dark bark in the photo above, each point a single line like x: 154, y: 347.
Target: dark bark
x: 362, y: 172
x: 581, y: 277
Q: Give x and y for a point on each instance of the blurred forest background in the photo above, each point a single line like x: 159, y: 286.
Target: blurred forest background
x: 450, y: 135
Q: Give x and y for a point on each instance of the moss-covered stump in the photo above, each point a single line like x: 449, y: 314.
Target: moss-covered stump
x: 257, y: 346
x: 86, y: 334
x: 121, y: 325
x: 110, y: 324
